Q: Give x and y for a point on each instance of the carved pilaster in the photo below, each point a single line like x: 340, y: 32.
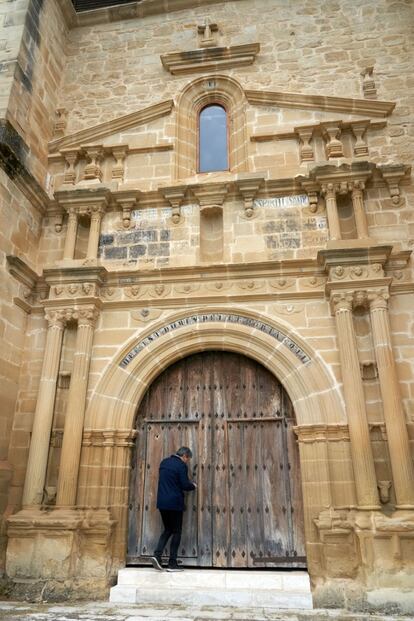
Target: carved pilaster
x: 71, y: 231
x: 397, y: 434
x: 43, y: 417
x: 361, y: 450
x: 75, y: 412
x: 329, y: 191
x: 357, y: 192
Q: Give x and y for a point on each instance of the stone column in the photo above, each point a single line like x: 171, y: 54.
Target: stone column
x: 75, y: 411
x: 70, y: 241
x: 329, y: 191
x: 361, y: 450
x: 94, y: 231
x: 397, y: 434
x: 357, y: 192
x: 43, y: 417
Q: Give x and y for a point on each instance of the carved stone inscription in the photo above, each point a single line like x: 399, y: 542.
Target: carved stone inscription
x: 213, y: 317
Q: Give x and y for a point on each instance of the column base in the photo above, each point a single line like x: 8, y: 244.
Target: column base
x: 64, y: 550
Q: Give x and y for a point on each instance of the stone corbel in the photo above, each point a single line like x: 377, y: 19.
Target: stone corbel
x: 119, y: 153
x: 210, y: 194
x: 175, y: 196
x: 312, y: 189
x: 127, y: 200
x: 94, y: 153
x: 392, y: 175
x: 331, y: 131
x: 59, y: 221
x: 70, y: 156
x: 249, y: 188
x: 305, y: 148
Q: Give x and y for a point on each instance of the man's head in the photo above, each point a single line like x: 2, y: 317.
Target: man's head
x: 185, y: 454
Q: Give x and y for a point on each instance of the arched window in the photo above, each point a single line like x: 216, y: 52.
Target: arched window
x: 212, y: 140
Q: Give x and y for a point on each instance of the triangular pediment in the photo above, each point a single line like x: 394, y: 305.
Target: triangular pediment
x: 342, y: 105
x: 344, y: 108
x: 112, y: 128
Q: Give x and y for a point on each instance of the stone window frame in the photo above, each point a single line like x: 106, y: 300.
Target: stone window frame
x: 219, y: 90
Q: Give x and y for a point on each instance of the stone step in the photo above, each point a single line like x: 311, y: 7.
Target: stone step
x: 218, y: 587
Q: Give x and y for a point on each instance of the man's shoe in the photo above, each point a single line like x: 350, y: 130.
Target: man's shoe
x: 156, y: 562
x: 174, y: 567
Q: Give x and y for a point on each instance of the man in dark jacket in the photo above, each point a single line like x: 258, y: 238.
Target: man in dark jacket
x: 172, y: 483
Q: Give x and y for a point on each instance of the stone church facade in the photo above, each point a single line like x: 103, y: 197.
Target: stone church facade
x: 143, y: 299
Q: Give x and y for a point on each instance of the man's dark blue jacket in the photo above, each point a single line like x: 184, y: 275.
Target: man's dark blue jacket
x: 172, y: 483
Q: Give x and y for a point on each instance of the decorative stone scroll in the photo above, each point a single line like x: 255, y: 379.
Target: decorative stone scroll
x: 214, y: 317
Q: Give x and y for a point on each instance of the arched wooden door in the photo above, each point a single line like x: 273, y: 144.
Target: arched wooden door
x: 237, y: 419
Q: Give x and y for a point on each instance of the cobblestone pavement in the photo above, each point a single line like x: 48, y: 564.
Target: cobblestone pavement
x: 104, y: 611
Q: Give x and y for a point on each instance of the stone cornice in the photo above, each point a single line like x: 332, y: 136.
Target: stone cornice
x: 134, y: 10
x: 118, y: 124
x: 83, y: 199
x: 210, y: 59
x: 315, y: 127
x: 352, y: 256
x: 346, y: 105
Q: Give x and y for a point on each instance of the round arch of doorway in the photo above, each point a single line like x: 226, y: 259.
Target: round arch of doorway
x: 313, y: 393
x: 115, y: 401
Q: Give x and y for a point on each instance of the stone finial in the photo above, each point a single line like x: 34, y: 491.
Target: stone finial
x: 59, y: 127
x: 207, y: 33
x: 368, y: 84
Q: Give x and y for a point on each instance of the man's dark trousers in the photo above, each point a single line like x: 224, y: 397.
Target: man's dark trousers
x: 173, y: 523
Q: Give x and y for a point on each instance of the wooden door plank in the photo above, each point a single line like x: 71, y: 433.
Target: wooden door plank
x: 220, y: 491
x: 204, y: 470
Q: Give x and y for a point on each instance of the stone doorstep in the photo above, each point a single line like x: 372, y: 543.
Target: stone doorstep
x: 195, y: 587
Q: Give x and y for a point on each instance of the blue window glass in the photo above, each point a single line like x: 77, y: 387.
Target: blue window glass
x: 213, y: 152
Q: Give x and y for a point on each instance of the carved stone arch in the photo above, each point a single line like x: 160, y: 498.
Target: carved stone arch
x: 217, y: 89
x: 313, y: 392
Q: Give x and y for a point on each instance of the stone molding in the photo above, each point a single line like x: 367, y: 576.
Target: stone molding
x: 321, y: 102
x: 308, y: 434
x: 122, y: 123
x: 210, y: 59
x: 109, y: 437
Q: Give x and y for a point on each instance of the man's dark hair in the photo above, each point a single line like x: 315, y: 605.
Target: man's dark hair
x: 184, y: 450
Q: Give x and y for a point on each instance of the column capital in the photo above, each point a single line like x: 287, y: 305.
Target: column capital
x: 58, y: 316
x: 378, y: 299
x: 87, y: 315
x: 329, y: 189
x: 341, y: 301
